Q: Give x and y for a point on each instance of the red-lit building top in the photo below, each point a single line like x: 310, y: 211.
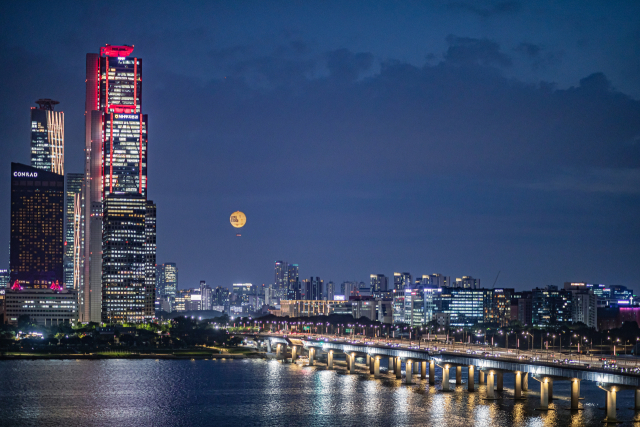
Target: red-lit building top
x: 121, y: 51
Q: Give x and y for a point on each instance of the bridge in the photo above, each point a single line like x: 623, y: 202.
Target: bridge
x: 420, y: 364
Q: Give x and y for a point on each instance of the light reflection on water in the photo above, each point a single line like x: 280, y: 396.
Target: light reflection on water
x: 256, y: 392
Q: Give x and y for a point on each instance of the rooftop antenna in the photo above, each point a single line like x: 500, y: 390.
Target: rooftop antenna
x: 494, y: 282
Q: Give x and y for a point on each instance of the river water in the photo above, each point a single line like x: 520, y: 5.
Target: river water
x: 264, y: 393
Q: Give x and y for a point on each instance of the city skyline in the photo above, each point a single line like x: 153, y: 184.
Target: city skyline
x: 474, y: 152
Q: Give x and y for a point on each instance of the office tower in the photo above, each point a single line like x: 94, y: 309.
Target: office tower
x: 124, y: 286
x: 206, y: 296
x: 281, y: 278
x: 167, y: 280
x: 36, y: 251
x: 72, y: 233
x: 115, y: 166
x: 4, y: 278
x: 499, y: 310
x: 150, y: 250
x: 330, y: 291
x: 436, y: 280
x: 467, y: 282
x: 293, y: 282
x: 379, y: 282
x: 315, y: 289
x: 221, y: 297
x: 550, y: 306
x: 47, y: 137
x: 401, y: 280
x: 464, y: 307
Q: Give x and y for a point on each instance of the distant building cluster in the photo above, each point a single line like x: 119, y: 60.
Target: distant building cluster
x: 437, y: 300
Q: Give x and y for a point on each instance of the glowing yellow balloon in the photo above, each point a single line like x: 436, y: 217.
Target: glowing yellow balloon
x: 238, y: 219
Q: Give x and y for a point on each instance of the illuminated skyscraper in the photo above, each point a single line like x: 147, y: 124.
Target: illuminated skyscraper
x: 72, y: 232
x: 124, y: 293
x: 167, y: 280
x: 150, y: 249
x: 47, y: 137
x: 116, y: 167
x: 37, y: 200
x: 281, y: 278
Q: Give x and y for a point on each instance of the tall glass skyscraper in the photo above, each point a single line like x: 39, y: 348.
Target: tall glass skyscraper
x: 115, y: 168
x: 47, y: 137
x: 72, y: 232
x: 37, y: 200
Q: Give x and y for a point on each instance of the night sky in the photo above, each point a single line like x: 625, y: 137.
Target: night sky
x: 453, y: 137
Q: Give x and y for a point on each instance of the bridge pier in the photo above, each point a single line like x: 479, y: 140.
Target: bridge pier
x: 368, y: 360
x: 518, y: 386
x: 458, y: 375
x: 481, y: 377
x: 499, y: 381
x: 525, y: 381
x: 312, y: 356
x: 471, y: 380
x: 268, y: 346
x: 330, y: 360
x: 351, y: 363
x: 376, y: 367
x: 445, y: 378
x: 432, y: 372
x: 611, y: 406
x: 294, y: 353
x: 544, y: 394
x: 398, y: 368
x: 423, y: 370
x: 409, y: 368
x: 491, y: 392
x: 278, y: 351
x: 415, y: 367
x: 575, y: 393
x: 371, y: 363
x: 550, y: 389
x: 392, y: 364
x: 637, y: 399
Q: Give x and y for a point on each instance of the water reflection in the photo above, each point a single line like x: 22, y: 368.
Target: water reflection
x: 255, y: 392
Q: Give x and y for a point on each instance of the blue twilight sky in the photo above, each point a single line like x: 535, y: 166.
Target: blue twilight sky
x: 454, y: 137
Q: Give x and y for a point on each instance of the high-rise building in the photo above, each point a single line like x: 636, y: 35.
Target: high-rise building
x: 330, y: 291
x: 72, y: 232
x: 467, y: 282
x: 551, y: 306
x: 47, y: 137
x: 4, y: 278
x: 221, y: 297
x: 125, y: 297
x: 401, y: 280
x: 293, y: 282
x: 379, y: 283
x: 36, y: 251
x: 436, y: 280
x: 206, y: 296
x: 281, y: 276
x: 167, y: 280
x: 115, y: 166
x: 150, y: 250
x: 465, y: 307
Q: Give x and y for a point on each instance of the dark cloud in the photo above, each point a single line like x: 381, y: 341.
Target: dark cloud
x: 348, y: 66
x: 486, y: 9
x: 538, y: 56
x: 469, y: 51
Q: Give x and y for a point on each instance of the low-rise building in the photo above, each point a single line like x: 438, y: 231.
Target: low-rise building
x: 45, y: 307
